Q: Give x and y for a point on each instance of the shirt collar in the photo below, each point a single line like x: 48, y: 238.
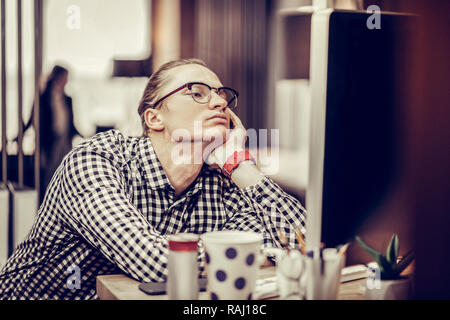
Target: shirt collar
x: 150, y: 166
x: 153, y: 171
x: 197, y: 185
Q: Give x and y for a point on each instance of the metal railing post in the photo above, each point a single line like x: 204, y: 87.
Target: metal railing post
x: 19, y: 93
x: 37, y: 74
x: 3, y: 100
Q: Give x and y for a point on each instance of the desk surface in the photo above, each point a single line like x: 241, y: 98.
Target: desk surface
x: 121, y: 287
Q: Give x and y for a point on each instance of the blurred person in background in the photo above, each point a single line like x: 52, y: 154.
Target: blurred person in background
x: 56, y: 127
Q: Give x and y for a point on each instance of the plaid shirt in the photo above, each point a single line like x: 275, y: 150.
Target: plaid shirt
x: 110, y: 209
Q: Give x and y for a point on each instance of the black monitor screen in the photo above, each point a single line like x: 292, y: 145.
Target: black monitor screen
x: 363, y: 119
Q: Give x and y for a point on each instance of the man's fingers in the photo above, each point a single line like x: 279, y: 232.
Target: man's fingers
x: 235, y: 119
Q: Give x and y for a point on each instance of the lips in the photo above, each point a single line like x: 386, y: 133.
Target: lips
x: 219, y: 116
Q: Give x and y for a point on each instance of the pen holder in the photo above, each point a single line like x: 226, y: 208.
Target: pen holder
x: 290, y: 267
x: 323, y: 276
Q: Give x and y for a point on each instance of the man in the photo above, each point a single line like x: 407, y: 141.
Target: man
x: 114, y: 200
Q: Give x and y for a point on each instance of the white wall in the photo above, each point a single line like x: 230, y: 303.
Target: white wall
x: 88, y: 34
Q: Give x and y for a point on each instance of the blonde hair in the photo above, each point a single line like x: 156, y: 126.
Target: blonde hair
x: 155, y: 82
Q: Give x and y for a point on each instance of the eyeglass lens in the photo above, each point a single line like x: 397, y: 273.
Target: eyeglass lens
x: 202, y: 94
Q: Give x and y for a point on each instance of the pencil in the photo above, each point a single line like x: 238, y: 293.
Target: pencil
x: 343, y: 249
x: 283, y: 241
x: 301, y: 241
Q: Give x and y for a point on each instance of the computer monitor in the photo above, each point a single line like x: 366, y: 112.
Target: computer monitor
x: 356, y: 123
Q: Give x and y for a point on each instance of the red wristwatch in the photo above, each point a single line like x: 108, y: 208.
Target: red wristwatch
x: 234, y: 160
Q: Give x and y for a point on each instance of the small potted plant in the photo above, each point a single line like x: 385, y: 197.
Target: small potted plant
x: 388, y: 284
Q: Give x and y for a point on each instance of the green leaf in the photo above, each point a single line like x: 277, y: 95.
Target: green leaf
x: 374, y: 253
x: 392, y: 250
x: 404, y: 263
x: 386, y: 270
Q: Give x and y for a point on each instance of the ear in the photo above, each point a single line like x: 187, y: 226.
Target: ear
x: 154, y: 119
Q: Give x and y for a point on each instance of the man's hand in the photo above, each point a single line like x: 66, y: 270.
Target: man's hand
x: 235, y: 141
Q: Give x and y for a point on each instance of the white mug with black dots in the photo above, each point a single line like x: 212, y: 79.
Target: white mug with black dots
x: 232, y: 262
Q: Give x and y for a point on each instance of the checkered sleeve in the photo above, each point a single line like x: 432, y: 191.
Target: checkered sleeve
x: 94, y: 204
x: 274, y: 211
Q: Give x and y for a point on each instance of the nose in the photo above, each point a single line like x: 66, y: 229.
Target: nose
x: 217, y: 102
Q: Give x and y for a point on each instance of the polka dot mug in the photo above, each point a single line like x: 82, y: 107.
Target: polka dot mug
x: 232, y: 262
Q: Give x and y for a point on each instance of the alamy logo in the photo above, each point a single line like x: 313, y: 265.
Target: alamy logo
x: 374, y: 20
x: 74, y: 280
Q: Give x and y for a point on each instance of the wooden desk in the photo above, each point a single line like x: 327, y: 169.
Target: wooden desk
x: 121, y: 287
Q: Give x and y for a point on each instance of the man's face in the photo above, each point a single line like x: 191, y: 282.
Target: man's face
x: 193, y: 118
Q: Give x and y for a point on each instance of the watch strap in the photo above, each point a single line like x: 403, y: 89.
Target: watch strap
x: 234, y: 160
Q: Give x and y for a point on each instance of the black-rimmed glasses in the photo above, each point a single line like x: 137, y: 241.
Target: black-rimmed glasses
x: 201, y: 93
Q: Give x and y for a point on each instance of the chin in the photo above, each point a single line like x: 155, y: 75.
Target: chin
x: 215, y: 133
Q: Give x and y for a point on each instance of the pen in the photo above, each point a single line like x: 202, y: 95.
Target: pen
x: 322, y: 262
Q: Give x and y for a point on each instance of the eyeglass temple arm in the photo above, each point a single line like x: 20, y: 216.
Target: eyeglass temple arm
x: 169, y: 94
